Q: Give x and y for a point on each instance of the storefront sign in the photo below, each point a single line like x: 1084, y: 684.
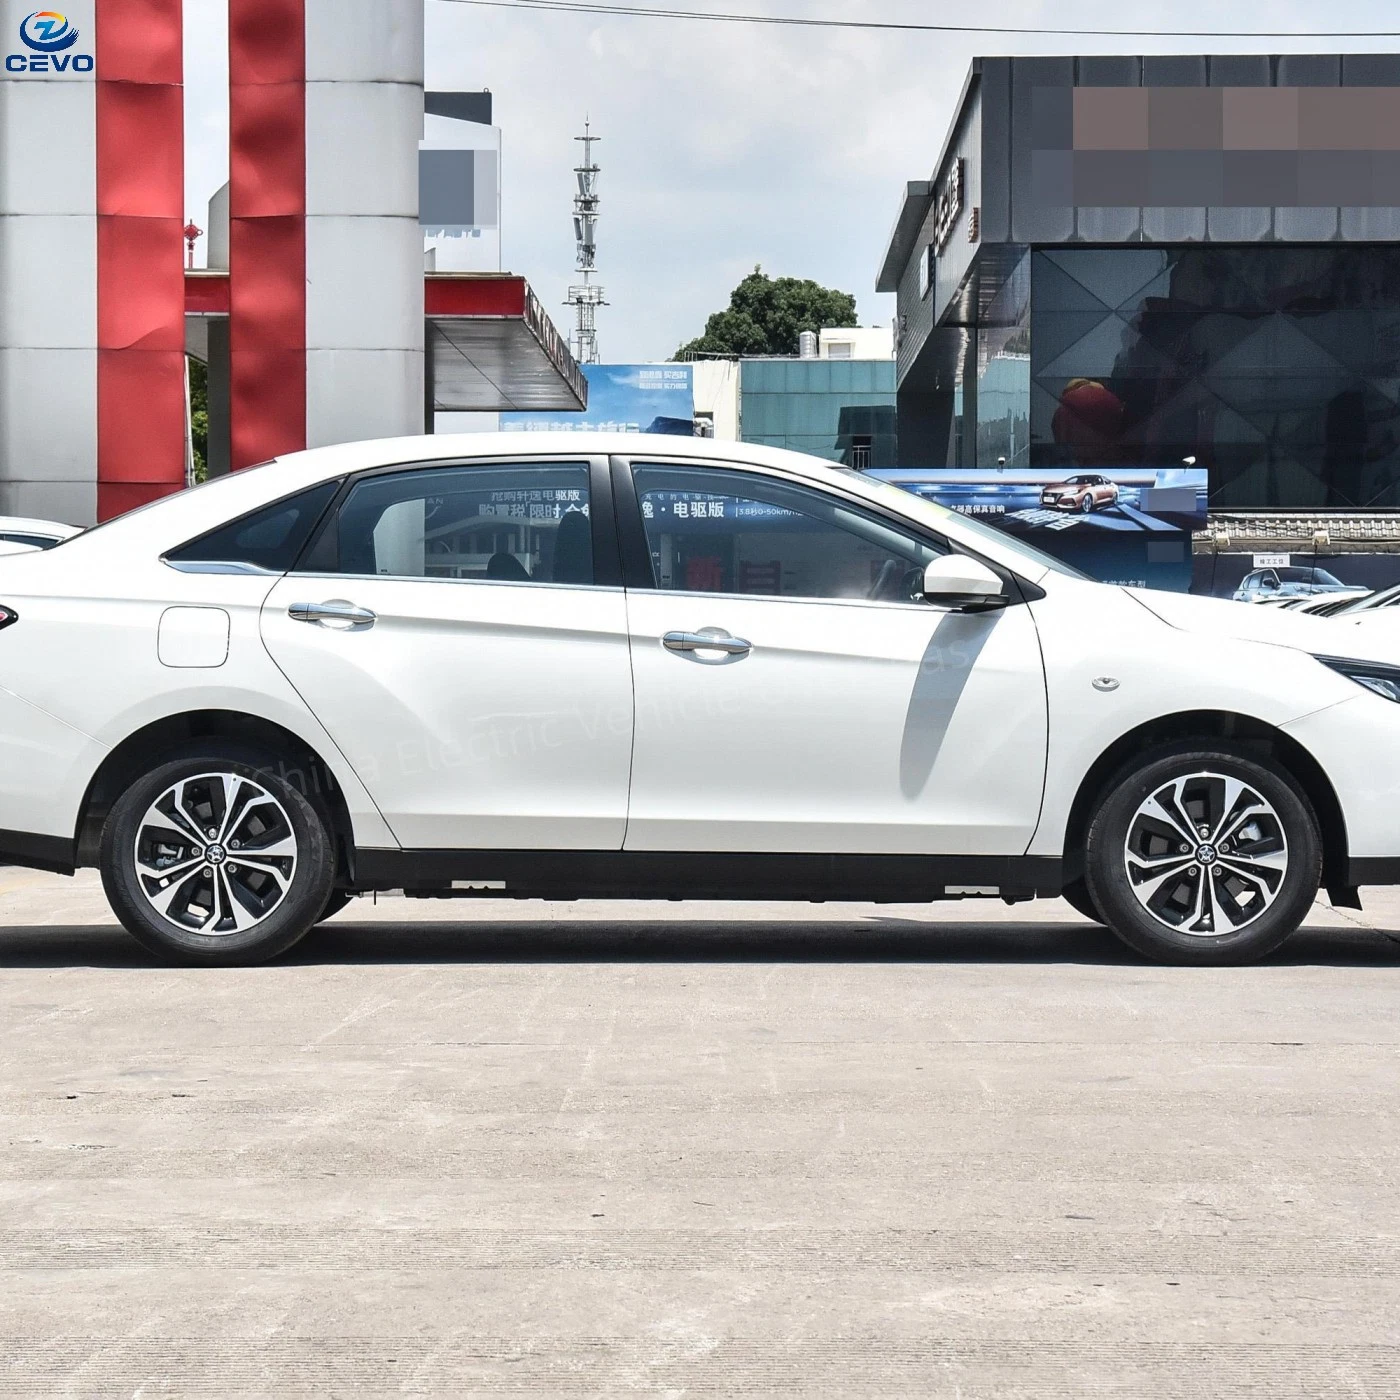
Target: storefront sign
x: 948, y: 205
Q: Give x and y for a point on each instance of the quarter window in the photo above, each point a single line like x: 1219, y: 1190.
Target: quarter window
x: 715, y: 531
x: 527, y: 523
x: 266, y: 541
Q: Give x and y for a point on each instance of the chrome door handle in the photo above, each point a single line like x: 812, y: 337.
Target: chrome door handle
x: 335, y: 613
x: 712, y: 639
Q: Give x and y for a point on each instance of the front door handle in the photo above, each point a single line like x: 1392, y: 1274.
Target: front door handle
x: 334, y: 613
x: 708, y: 639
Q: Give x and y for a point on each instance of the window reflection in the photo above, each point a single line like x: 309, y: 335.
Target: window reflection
x: 1278, y: 369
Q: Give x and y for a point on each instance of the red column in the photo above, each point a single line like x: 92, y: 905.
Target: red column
x: 267, y: 228
x: 140, y: 273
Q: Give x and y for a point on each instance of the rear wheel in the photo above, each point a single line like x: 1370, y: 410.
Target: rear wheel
x: 1205, y: 857
x: 215, y: 858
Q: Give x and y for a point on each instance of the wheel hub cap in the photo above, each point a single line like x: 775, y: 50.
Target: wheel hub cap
x: 215, y: 854
x: 1205, y: 854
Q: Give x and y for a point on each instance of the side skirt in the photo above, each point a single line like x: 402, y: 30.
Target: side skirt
x: 705, y: 875
x: 38, y: 852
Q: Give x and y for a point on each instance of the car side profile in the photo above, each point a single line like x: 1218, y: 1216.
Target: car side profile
x: 1295, y: 581
x: 1084, y: 493
x: 621, y: 667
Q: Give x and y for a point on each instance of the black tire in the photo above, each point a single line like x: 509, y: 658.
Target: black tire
x: 280, y: 909
x: 1290, y: 824
x: 1078, y: 898
x: 338, y: 900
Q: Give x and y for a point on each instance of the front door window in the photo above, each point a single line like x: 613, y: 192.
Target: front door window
x: 714, y: 531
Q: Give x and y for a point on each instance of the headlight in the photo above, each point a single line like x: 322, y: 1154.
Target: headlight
x: 1383, y: 680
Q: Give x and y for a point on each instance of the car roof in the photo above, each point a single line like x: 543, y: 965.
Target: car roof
x: 383, y: 452
x: 185, y: 515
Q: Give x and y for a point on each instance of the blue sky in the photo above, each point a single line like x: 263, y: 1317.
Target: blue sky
x: 726, y: 145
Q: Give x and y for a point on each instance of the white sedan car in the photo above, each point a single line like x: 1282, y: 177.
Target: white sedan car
x: 619, y: 667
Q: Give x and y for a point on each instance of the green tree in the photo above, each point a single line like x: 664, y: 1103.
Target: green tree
x: 199, y: 416
x: 766, y: 314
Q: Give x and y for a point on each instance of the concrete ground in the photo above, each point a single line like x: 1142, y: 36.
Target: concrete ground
x: 598, y: 1150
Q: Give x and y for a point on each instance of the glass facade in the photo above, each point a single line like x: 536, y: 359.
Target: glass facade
x: 843, y: 410
x: 1275, y: 367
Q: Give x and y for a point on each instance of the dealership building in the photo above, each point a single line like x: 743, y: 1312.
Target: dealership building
x: 1157, y: 261
x: 352, y: 290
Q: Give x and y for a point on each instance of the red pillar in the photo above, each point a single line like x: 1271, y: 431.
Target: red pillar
x: 140, y: 277
x: 267, y: 229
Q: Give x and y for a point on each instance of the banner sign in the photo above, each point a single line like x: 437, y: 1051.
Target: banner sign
x: 1129, y: 525
x: 622, y: 399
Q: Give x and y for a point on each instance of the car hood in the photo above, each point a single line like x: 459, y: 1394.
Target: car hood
x: 1219, y: 617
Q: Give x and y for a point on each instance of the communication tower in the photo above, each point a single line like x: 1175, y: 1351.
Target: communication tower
x: 586, y: 296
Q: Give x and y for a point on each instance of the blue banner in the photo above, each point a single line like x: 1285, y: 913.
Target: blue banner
x: 622, y: 399
x: 1129, y: 525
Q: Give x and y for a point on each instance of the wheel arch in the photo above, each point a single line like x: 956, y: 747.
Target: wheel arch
x: 297, y: 761
x: 1241, y: 731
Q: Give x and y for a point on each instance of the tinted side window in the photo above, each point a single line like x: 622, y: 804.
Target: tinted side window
x: 527, y: 523
x: 716, y: 531
x: 269, y: 539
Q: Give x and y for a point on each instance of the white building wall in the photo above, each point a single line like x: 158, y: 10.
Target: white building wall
x: 48, y: 282
x: 856, y: 343
x: 474, y: 247
x: 364, y: 116
x: 716, y: 387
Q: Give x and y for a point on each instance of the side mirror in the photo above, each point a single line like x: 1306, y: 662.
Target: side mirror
x: 968, y: 584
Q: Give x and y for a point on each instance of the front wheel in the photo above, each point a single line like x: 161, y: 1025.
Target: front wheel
x: 1087, y: 505
x: 215, y: 858
x: 1204, y: 857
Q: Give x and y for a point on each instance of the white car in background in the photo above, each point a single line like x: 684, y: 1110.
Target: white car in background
x: 18, y: 532
x: 619, y: 667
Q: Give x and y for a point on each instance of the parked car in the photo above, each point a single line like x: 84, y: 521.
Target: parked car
x: 1086, y: 492
x: 1352, y: 608
x: 36, y: 534
x: 1326, y: 604
x: 669, y: 668
x: 1291, y: 582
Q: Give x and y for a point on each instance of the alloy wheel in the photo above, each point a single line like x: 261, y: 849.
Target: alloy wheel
x: 1206, y: 854
x: 215, y: 854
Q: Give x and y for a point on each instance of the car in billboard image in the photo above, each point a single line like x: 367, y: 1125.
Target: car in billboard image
x: 1296, y: 581
x: 630, y: 666
x: 1085, y: 493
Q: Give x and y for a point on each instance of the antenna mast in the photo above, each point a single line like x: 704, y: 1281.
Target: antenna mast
x: 586, y: 296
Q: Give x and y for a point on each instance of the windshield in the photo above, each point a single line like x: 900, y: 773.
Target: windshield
x: 899, y: 499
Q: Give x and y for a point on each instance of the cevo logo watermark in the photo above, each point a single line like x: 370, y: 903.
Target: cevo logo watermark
x: 50, y: 40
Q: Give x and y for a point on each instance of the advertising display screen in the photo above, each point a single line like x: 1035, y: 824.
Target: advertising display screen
x: 1129, y: 525
x: 622, y: 399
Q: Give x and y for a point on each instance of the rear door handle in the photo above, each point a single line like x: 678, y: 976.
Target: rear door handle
x: 334, y: 613
x: 708, y: 639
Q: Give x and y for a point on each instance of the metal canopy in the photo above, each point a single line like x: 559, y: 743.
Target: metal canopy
x: 489, y: 345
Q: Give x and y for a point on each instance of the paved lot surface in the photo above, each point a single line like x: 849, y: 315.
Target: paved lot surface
x: 599, y: 1150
